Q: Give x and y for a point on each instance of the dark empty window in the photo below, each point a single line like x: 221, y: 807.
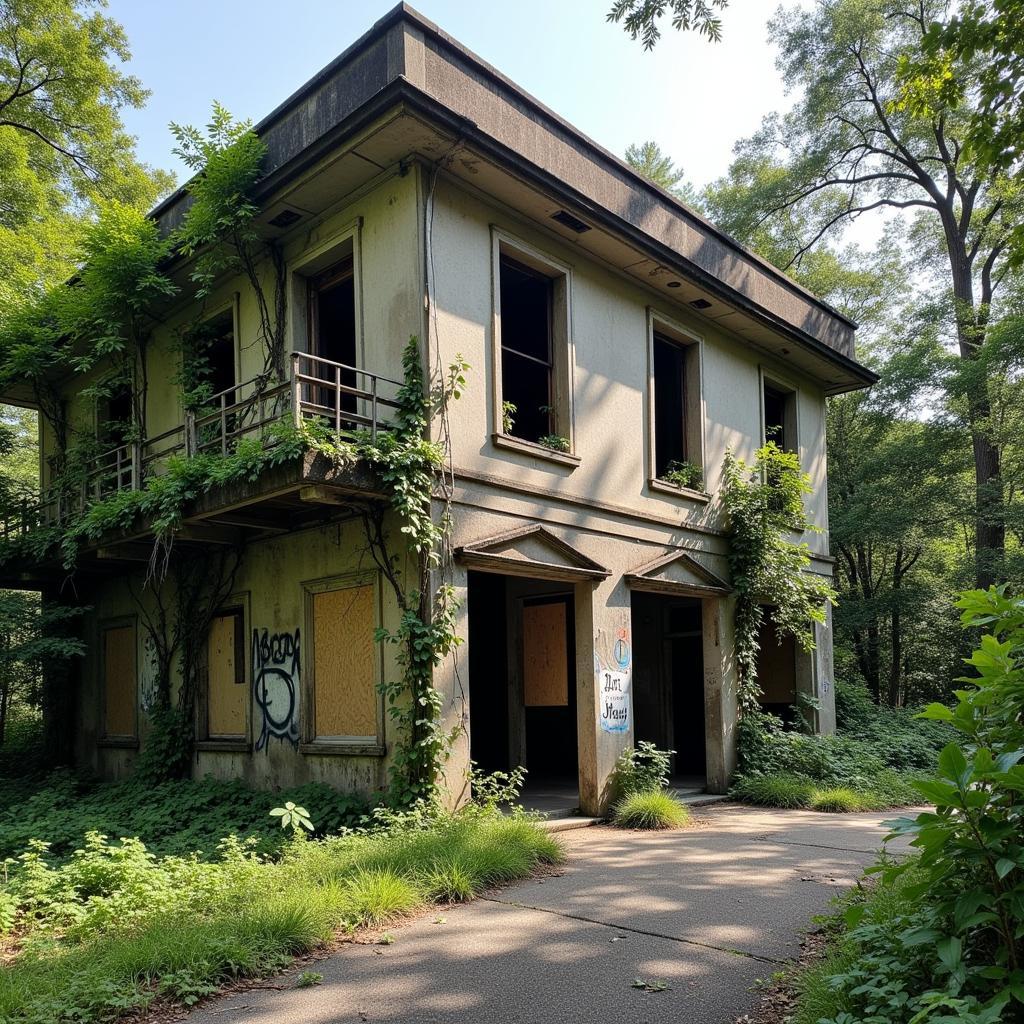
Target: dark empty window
x: 779, y: 425
x: 669, y: 405
x: 333, y: 336
x: 220, y: 354
x: 526, y: 351
x: 114, y: 415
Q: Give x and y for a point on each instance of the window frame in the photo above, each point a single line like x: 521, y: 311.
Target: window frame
x: 694, y: 418
x: 310, y: 743
x: 563, y: 356
x: 238, y: 603
x: 314, y: 262
x: 117, y: 622
x: 231, y: 305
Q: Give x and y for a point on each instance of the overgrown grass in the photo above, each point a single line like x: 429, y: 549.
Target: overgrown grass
x: 867, y: 765
x: 797, y: 792
x: 651, y: 809
x: 115, y: 926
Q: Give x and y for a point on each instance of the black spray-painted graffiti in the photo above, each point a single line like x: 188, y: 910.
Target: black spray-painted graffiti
x: 275, y: 683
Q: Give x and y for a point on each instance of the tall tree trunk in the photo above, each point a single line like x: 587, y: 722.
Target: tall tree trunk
x: 989, y: 501
x: 896, y: 627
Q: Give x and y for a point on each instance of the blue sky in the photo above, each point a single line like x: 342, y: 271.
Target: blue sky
x: 694, y: 97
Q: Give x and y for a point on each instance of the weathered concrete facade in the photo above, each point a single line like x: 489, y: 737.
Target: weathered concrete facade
x: 595, y: 604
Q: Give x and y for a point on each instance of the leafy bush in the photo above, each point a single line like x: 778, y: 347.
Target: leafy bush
x: 954, y: 950
x: 641, y: 769
x: 178, y: 817
x: 654, y: 809
x: 114, y: 926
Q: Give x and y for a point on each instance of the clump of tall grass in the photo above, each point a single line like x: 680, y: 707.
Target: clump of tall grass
x: 652, y: 809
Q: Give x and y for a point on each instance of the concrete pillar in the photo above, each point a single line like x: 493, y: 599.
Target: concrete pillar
x: 604, y: 668
x: 824, y: 676
x: 451, y: 680
x: 720, y: 707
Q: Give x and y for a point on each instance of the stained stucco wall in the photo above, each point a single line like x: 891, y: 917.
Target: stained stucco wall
x: 609, y: 327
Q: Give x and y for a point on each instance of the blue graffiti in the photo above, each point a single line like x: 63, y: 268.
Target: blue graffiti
x: 275, y: 683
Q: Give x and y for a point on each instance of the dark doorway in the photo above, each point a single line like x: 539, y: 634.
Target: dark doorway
x: 115, y: 415
x: 776, y: 670
x: 332, y: 301
x: 522, y: 677
x: 668, y: 679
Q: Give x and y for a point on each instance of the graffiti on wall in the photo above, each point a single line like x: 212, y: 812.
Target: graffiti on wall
x: 275, y: 684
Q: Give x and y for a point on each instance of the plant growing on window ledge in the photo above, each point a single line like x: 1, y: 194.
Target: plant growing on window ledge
x: 684, y: 474
x: 508, y: 416
x: 555, y: 442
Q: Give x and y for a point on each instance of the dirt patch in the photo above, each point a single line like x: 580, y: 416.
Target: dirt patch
x: 778, y: 997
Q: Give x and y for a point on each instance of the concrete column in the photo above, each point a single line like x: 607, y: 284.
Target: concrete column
x: 824, y: 676
x: 603, y: 659
x: 451, y: 680
x: 720, y: 708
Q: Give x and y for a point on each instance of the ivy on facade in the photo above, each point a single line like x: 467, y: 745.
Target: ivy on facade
x: 764, y: 503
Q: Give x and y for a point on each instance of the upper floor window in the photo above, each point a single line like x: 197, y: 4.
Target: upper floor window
x: 115, y: 414
x: 533, y: 350
x: 779, y: 412
x: 219, y: 370
x: 676, y: 418
x: 332, y: 336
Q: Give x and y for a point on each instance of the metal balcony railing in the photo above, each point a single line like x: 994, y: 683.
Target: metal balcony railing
x: 344, y: 398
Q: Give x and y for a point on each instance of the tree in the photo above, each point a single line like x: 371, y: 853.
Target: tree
x: 849, y: 147
x: 648, y: 159
x: 990, y: 34
x: 641, y: 17
x: 62, y: 141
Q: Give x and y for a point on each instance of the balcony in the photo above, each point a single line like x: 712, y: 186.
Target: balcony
x: 344, y: 398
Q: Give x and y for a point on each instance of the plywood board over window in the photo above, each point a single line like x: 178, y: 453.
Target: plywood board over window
x: 545, y: 655
x: 226, y: 687
x: 345, y: 658
x: 119, y: 681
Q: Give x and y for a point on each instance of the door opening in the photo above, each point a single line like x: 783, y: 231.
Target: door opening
x: 668, y: 681
x: 332, y: 301
x: 522, y: 684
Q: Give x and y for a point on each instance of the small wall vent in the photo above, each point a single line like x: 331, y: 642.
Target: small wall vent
x: 700, y: 304
x: 285, y: 219
x: 567, y: 220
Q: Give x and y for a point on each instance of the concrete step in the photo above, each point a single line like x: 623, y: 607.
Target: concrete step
x: 564, y: 824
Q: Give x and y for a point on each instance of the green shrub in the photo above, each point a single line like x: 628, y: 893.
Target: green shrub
x: 641, y: 769
x: 787, y: 791
x: 950, y: 946
x: 654, y: 809
x: 839, y: 800
x: 179, y: 817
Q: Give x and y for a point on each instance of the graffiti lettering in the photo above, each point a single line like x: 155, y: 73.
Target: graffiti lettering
x: 275, y: 682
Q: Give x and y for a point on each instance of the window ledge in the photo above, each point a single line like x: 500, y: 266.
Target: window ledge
x: 680, y: 492
x: 517, y: 444
x: 239, y: 746
x: 330, y: 748
x: 119, y: 742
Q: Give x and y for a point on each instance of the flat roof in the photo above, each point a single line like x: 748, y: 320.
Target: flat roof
x: 405, y: 57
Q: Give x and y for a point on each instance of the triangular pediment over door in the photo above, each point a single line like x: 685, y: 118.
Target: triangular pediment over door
x: 677, y: 572
x: 530, y: 551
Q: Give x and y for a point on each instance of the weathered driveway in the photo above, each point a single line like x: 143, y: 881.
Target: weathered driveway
x: 707, y: 911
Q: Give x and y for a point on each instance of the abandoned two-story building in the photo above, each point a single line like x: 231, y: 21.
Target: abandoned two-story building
x: 612, y: 336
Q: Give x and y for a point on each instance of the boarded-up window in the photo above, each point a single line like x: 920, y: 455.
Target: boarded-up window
x: 545, y: 655
x: 119, y: 681
x: 226, y: 689
x: 344, y: 662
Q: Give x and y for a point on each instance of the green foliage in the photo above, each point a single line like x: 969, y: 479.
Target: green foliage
x: 640, y: 17
x: 172, y: 817
x: 953, y: 949
x: 764, y: 504
x: 653, y: 809
x: 648, y: 159
x: 293, y: 816
x: 63, y: 145
x: 555, y: 442
x: 641, y: 769
x: 771, y: 790
x: 684, y: 474
x: 115, y: 926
